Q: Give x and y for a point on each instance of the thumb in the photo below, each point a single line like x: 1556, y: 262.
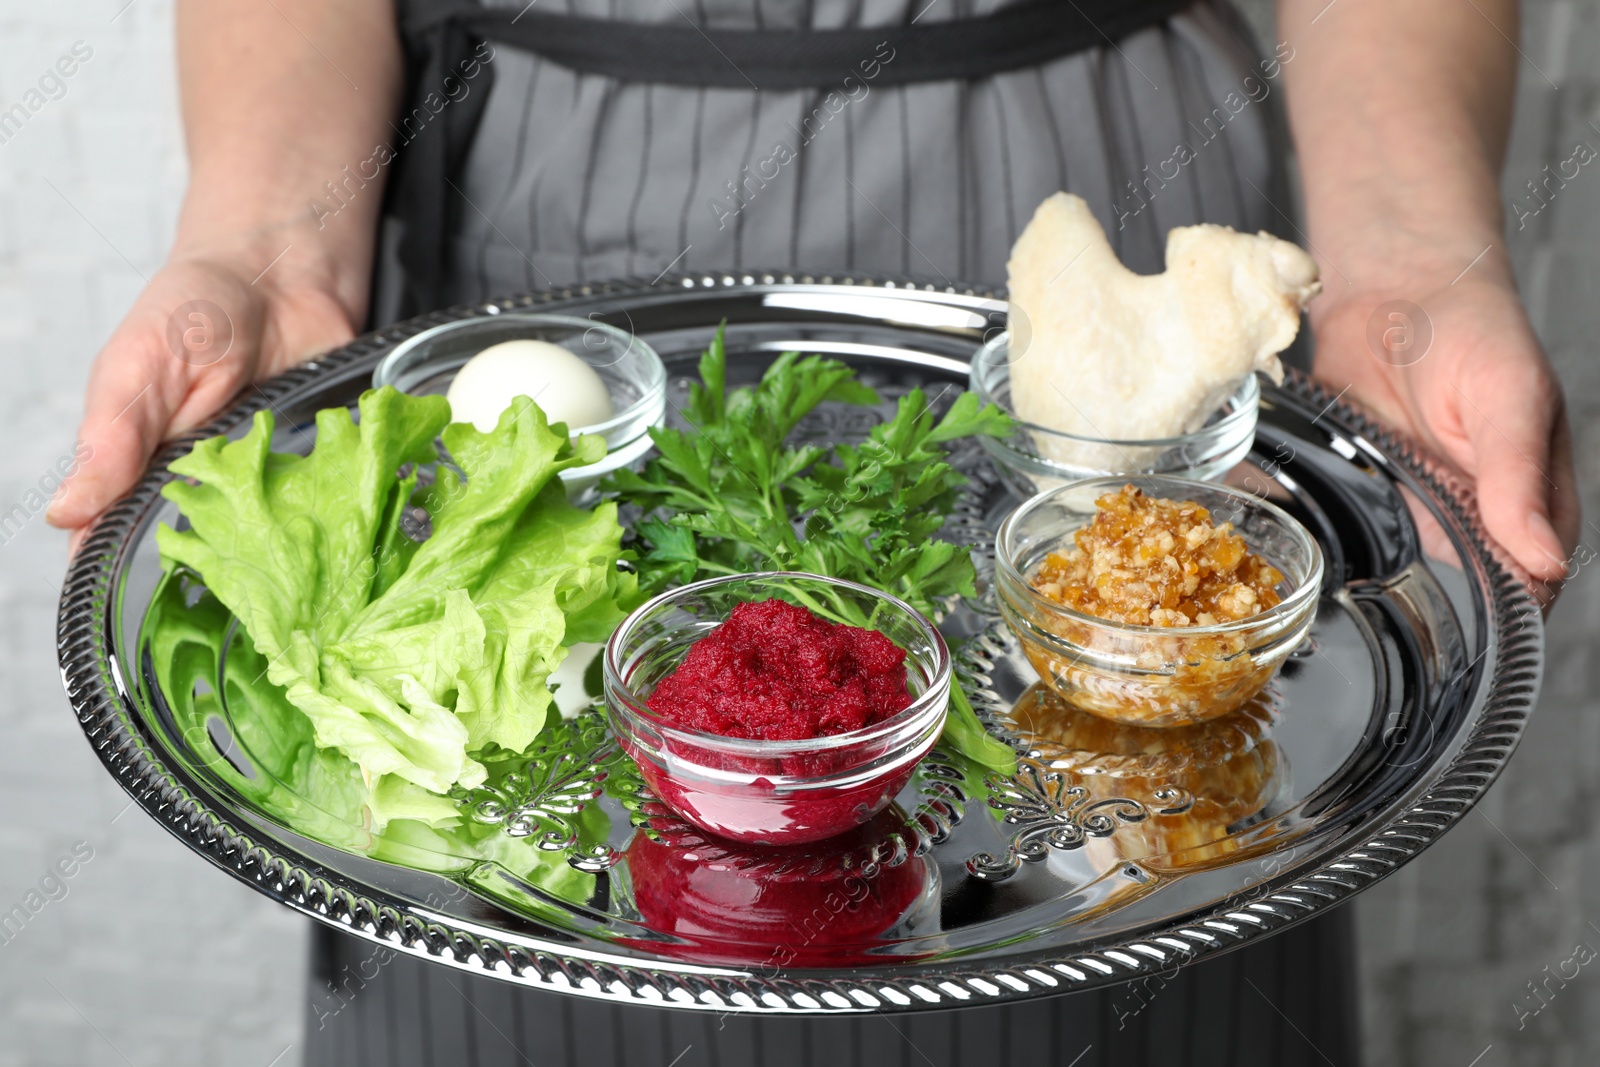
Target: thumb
x: 1511, y: 465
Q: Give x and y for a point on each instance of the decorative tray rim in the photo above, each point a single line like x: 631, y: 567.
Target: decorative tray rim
x: 99, y: 694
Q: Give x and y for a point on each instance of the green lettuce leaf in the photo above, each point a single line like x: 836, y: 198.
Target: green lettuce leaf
x: 407, y: 658
x: 276, y: 763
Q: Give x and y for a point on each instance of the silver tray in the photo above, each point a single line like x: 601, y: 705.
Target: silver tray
x: 1108, y: 857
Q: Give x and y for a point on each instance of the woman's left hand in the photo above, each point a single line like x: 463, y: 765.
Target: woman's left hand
x: 1458, y: 367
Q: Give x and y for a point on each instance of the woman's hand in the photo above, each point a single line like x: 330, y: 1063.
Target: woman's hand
x: 273, y: 253
x: 1457, y: 366
x: 207, y: 326
x: 1400, y: 114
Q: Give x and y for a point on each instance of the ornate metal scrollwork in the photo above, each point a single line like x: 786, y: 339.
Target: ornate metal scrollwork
x: 554, y: 782
x: 1046, y: 810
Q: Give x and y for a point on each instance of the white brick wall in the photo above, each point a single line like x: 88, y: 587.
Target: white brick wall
x: 115, y: 971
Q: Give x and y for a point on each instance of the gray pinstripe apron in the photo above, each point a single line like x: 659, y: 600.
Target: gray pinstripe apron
x: 575, y: 177
x: 578, y: 177
x: 585, y: 178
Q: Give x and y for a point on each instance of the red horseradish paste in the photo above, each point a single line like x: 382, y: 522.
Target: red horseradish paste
x: 774, y: 671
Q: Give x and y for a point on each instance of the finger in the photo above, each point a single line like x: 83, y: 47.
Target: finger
x: 1564, y: 515
x: 194, y: 330
x: 1565, y: 510
x: 205, y: 398
x: 132, y: 397
x: 1511, y: 463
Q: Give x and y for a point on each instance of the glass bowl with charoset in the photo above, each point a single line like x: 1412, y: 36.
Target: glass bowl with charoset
x: 1085, y: 574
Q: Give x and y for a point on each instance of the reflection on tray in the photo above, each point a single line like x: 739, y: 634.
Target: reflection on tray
x: 1166, y: 798
x: 820, y: 904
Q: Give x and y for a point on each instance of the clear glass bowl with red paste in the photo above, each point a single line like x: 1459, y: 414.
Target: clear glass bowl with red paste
x: 760, y: 722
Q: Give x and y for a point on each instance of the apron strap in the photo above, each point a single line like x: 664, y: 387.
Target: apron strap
x: 445, y: 40
x: 677, y: 52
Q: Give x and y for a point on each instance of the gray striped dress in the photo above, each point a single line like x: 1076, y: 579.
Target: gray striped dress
x: 576, y: 178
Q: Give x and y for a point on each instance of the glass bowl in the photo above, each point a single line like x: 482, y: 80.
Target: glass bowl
x: 1154, y: 675
x: 1036, y: 458
x: 632, y: 371
x: 771, y: 792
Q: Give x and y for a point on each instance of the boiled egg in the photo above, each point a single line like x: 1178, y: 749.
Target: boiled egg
x: 565, y: 387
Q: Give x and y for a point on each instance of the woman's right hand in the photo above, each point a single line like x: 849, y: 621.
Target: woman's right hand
x: 208, y: 325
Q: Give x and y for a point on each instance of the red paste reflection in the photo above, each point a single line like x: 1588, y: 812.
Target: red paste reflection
x: 823, y: 904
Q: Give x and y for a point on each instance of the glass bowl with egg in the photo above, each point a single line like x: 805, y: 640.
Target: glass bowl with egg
x: 594, y: 377
x: 1036, y: 458
x: 1153, y: 600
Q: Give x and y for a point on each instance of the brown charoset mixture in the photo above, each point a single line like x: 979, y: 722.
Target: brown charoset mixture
x: 1146, y: 561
